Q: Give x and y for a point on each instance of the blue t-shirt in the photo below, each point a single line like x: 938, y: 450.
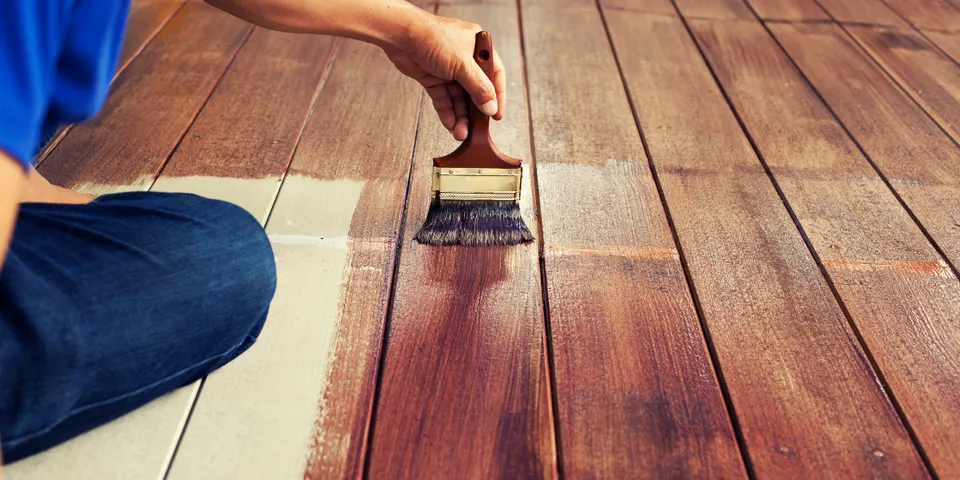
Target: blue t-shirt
x: 56, y: 61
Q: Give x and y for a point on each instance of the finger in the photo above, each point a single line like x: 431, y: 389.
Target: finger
x: 443, y: 104
x: 459, y: 98
x: 499, y: 84
x: 480, y: 88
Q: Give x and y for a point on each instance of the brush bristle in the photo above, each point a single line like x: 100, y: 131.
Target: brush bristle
x: 474, y: 224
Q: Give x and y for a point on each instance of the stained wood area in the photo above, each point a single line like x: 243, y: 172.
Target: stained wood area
x: 930, y: 78
x: 466, y: 347
x: 636, y: 392
x: 869, y: 12
x: 747, y: 221
x: 770, y: 314
x: 868, y: 244
x: 941, y: 15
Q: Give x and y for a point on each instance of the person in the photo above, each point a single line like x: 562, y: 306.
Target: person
x: 108, y: 302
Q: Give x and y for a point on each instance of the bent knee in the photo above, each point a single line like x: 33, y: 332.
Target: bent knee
x: 236, y: 255
x: 226, y: 257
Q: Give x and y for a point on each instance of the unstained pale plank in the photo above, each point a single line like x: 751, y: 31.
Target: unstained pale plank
x: 637, y: 394
x: 903, y: 298
x: 929, y: 77
x: 153, y: 103
x: 465, y: 387
x: 297, y: 404
x: 806, y: 402
x: 920, y: 161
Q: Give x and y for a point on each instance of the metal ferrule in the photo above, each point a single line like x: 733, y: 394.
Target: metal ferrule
x: 477, y: 183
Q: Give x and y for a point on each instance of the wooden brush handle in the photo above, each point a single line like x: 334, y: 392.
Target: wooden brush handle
x: 478, y: 150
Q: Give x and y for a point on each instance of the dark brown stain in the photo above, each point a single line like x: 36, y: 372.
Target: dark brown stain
x: 250, y: 125
x: 635, y: 387
x: 892, y: 39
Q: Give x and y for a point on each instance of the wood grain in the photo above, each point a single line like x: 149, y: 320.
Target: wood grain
x: 154, y: 101
x: 929, y: 77
x: 334, y: 231
x: 807, y: 402
x: 918, y: 159
x: 791, y: 10
x: 904, y: 300
x: 714, y: 9
x: 948, y: 42
x: 638, y: 397
x: 238, y: 150
x: 873, y: 12
x: 928, y: 14
x: 145, y: 20
x: 662, y: 7
x: 465, y: 387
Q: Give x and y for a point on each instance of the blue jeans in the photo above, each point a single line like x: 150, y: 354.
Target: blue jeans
x: 106, y: 306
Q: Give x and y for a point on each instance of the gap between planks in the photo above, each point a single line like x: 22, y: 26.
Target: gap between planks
x: 941, y: 268
x: 282, y: 239
x: 741, y: 441
x: 953, y: 268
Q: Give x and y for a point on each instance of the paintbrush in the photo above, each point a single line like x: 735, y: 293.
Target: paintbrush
x: 476, y: 189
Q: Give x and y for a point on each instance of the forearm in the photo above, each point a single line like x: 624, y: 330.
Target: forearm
x: 11, y: 182
x: 386, y: 23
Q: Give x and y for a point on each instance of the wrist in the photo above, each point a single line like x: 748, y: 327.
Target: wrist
x: 399, y: 26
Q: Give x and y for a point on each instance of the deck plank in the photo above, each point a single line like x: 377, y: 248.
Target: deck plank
x: 948, y: 42
x: 145, y: 20
x: 929, y: 77
x: 792, y: 365
x: 334, y: 230
x: 789, y: 10
x: 637, y: 394
x: 928, y: 14
x: 711, y: 9
x: 904, y: 300
x: 465, y: 385
x: 238, y: 150
x: 872, y: 12
x: 919, y: 160
x: 153, y: 103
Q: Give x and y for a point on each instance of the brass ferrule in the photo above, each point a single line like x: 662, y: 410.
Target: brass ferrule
x: 477, y: 183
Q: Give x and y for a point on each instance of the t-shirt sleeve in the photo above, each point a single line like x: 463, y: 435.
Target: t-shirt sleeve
x: 29, y: 39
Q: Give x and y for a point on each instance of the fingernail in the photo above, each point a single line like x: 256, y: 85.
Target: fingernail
x: 489, y: 108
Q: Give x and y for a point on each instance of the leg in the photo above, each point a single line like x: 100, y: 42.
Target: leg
x: 107, y: 305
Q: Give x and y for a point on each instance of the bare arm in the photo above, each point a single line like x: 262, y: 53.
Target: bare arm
x: 11, y: 182
x: 385, y: 23
x: 433, y: 50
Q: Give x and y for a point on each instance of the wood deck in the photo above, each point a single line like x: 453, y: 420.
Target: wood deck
x: 748, y: 234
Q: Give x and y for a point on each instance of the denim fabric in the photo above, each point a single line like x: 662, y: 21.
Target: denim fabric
x: 106, y: 306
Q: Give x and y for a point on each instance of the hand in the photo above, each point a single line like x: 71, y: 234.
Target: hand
x: 440, y: 57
